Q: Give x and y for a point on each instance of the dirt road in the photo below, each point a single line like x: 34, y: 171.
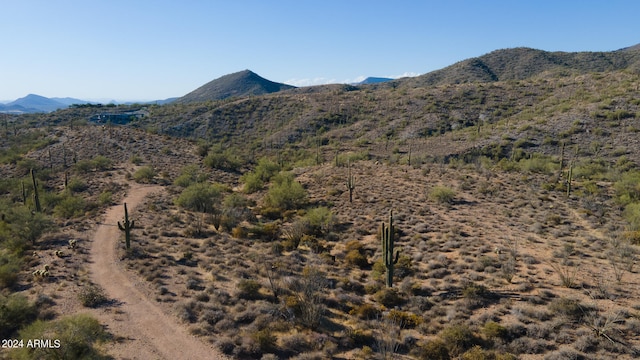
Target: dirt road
x: 147, y: 332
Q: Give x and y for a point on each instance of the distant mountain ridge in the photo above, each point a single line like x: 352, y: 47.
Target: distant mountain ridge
x: 32, y: 103
x: 238, y: 84
x: 373, y: 80
x: 522, y: 63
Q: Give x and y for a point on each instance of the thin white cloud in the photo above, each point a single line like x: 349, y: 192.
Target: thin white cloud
x: 406, y: 74
x: 323, y: 81
x: 310, y: 82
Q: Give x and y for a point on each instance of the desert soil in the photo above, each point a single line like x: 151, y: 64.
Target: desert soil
x: 143, y: 330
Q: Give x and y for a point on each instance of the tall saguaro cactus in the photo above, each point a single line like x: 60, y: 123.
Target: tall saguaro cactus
x: 351, y: 182
x: 387, y: 234
x: 36, y: 198
x: 126, y: 226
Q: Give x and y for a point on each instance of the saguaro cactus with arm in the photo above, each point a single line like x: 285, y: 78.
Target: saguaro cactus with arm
x: 126, y: 226
x: 387, y: 235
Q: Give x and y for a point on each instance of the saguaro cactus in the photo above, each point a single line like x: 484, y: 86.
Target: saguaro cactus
x: 387, y: 234
x: 126, y: 226
x: 36, y: 198
x: 351, y: 182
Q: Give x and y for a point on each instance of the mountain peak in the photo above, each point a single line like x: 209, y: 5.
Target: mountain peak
x: 238, y: 84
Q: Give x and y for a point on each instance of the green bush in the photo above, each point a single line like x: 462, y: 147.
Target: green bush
x: 264, y: 171
x: 285, y: 193
x: 9, y: 267
x: 389, y: 297
x: 434, y: 350
x: 144, y: 175
x: 252, y: 182
x: 83, y: 166
x: 77, y: 185
x: 492, y: 330
x: 77, y: 335
x: 320, y: 220
x: 442, y: 194
x: 356, y: 258
x: 249, y: 289
x: 105, y: 198
x: 16, y: 313
x: 628, y: 187
x: 188, y: 175
x: 458, y: 339
x: 26, y: 226
x: 101, y: 163
x: 200, y: 197
x: 92, y: 296
x: 222, y: 159
x: 405, y: 320
x: 632, y: 215
x: 70, y: 207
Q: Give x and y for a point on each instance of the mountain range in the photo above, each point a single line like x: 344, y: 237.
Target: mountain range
x: 240, y: 84
x: 500, y: 65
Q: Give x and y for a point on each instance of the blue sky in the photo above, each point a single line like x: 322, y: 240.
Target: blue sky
x: 155, y: 49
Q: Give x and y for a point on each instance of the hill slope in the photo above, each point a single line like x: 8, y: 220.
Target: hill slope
x: 242, y: 83
x: 524, y: 63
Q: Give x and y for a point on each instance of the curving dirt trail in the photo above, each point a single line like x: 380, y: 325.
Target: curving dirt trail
x: 146, y: 331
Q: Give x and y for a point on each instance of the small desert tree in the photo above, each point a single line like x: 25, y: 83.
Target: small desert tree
x: 286, y: 193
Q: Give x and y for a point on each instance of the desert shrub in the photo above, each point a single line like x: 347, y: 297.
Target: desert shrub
x: 389, y: 297
x: 25, y: 226
x: 200, y: 197
x: 105, y: 198
x: 10, y: 266
x: 475, y: 295
x: 537, y: 164
x: 16, y: 312
x: 136, y: 160
x: 76, y: 185
x: 442, y: 194
x: 307, y: 301
x: 92, y: 296
x: 320, y: 220
x: 458, y: 339
x: 570, y: 308
x: 355, y: 254
x: 144, y: 175
x: 433, y: 350
x: 631, y: 213
x: 264, y: 171
x: 70, y: 207
x: 266, y: 231
x: 222, y: 159
x: 83, y: 166
x: 492, y: 330
x: 285, y: 193
x: 404, y: 319
x: 366, y: 311
x: 265, y: 339
x: 478, y: 353
x: 235, y: 200
x: 249, y: 289
x: 188, y: 175
x: 101, y: 163
x: 628, y: 187
x: 356, y: 258
x: 294, y: 233
x: 78, y: 335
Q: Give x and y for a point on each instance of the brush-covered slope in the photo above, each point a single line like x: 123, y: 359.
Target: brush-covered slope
x: 239, y: 84
x: 523, y: 63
